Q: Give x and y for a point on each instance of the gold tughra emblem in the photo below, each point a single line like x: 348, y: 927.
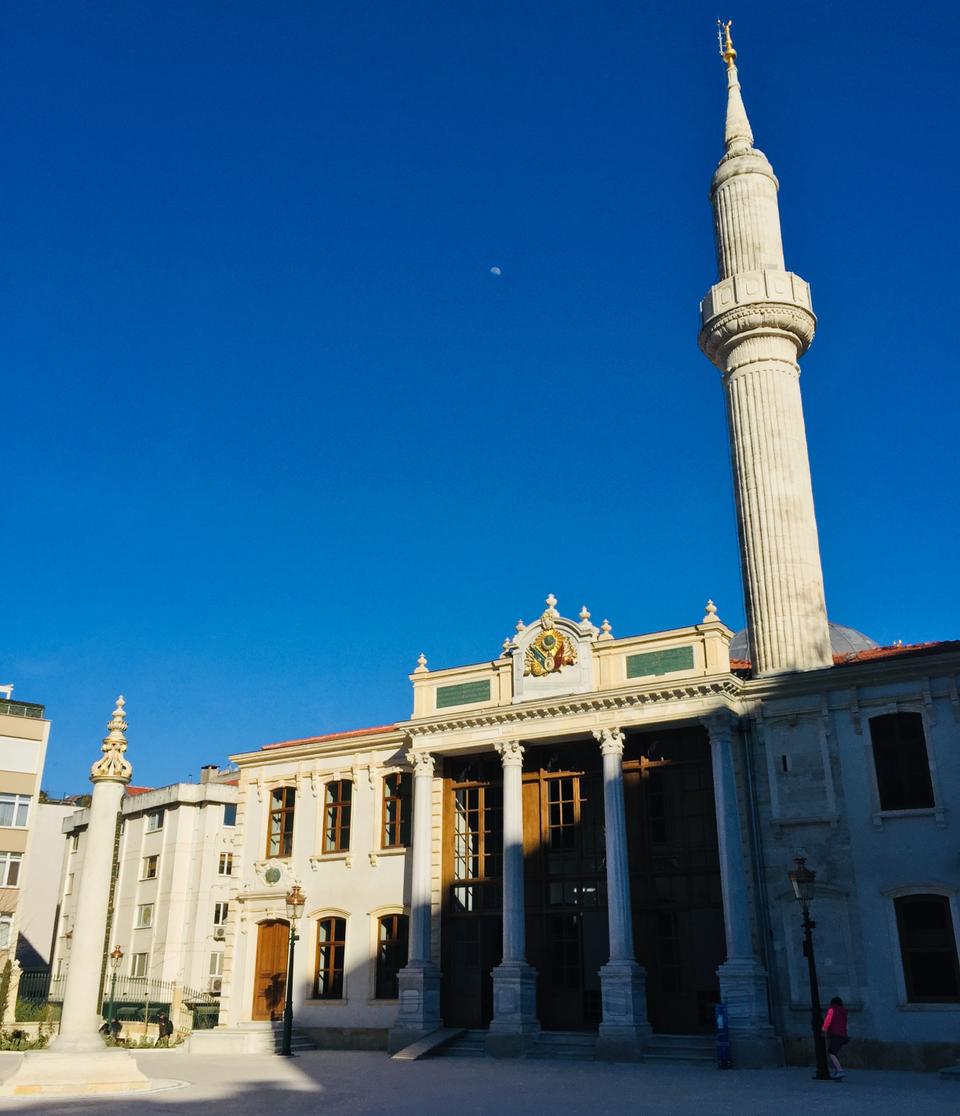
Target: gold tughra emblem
x: 550, y: 651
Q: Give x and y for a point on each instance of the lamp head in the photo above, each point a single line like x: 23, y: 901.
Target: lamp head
x: 802, y: 879
x: 116, y: 957
x: 296, y: 901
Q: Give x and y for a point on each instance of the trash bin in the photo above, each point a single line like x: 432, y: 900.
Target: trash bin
x: 723, y: 1037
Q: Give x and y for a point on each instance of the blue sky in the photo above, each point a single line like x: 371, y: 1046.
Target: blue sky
x: 272, y: 426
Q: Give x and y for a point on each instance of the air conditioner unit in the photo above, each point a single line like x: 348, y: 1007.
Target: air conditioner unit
x: 219, y: 933
x: 216, y: 983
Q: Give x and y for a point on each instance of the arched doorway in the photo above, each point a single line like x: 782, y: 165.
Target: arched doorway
x: 270, y: 976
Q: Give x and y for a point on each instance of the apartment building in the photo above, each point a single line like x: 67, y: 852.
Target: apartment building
x: 24, y: 732
x: 172, y: 881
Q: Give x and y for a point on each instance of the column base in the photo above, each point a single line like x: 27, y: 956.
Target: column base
x: 624, y: 1029
x: 514, y: 1027
x: 743, y: 988
x: 419, y: 1011
x: 51, y: 1073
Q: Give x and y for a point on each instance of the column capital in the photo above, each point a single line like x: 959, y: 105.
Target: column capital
x: 113, y: 766
x: 610, y: 741
x: 510, y: 752
x: 423, y: 763
x: 721, y: 725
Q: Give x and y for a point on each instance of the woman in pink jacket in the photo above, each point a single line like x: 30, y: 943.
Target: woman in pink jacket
x: 835, y: 1034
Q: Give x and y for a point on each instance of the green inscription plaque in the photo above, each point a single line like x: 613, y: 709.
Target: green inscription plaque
x: 659, y: 662
x: 465, y: 693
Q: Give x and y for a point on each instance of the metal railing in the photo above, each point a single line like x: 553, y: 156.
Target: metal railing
x: 135, y: 999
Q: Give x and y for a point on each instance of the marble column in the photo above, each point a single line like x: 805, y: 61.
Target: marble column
x: 743, y: 979
x: 514, y: 1026
x: 77, y: 1060
x: 624, y: 1027
x: 419, y: 980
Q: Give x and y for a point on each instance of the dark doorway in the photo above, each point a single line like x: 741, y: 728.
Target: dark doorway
x: 472, y: 927
x: 565, y: 878
x: 675, y: 876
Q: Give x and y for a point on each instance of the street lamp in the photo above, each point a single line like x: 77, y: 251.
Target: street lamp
x: 802, y: 878
x: 115, y: 958
x: 295, y: 904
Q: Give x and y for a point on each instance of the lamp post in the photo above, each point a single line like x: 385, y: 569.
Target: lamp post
x: 115, y: 958
x: 802, y: 878
x: 295, y: 904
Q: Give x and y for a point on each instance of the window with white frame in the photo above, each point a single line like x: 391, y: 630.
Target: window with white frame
x: 225, y: 867
x: 6, y: 928
x: 928, y: 949
x: 220, y: 913
x: 14, y: 809
x: 148, y: 867
x: 901, y: 762
x: 75, y: 842
x: 138, y: 964
x: 68, y: 887
x: 144, y: 916
x: 10, y: 868
x: 154, y: 821
x: 216, y: 964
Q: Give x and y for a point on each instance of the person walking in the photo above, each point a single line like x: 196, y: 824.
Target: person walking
x: 835, y: 1035
x: 164, y: 1030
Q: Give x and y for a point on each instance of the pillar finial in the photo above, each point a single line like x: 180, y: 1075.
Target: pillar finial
x: 727, y: 53
x: 113, y: 765
x: 711, y: 613
x: 422, y: 667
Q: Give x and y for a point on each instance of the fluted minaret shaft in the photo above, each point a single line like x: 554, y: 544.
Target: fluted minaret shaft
x: 755, y: 324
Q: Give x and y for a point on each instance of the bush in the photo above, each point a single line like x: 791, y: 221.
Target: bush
x: 20, y: 1040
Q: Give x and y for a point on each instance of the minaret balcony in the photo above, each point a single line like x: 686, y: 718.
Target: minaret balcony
x: 752, y: 302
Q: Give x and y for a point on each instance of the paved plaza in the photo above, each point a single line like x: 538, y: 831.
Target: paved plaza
x: 334, y: 1082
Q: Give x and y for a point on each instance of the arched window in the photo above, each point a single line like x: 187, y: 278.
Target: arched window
x: 336, y: 816
x: 900, y: 759
x: 392, y: 930
x: 928, y: 947
x: 396, y: 811
x: 280, y: 825
x: 331, y: 943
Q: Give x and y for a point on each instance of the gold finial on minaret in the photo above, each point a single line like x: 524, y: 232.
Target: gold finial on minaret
x: 727, y: 53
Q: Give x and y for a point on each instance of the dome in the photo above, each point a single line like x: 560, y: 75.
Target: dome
x: 843, y: 641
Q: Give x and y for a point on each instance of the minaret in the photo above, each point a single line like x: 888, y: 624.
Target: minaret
x: 755, y: 323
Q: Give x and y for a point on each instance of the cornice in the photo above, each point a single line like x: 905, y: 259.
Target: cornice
x: 841, y: 676
x: 726, y: 686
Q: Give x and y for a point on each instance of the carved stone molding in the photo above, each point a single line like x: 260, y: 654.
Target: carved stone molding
x: 423, y: 763
x: 510, y: 752
x: 720, y: 333
x: 610, y: 740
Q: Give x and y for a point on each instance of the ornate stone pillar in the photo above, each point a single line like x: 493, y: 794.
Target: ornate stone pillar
x: 624, y: 1027
x: 419, y: 980
x: 743, y: 979
x: 77, y: 1061
x: 80, y: 1019
x: 514, y: 1026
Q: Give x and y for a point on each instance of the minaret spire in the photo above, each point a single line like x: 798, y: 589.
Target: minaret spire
x: 755, y: 324
x: 738, y: 134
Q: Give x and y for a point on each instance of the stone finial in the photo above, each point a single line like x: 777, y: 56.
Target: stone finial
x: 606, y: 631
x: 584, y: 614
x: 551, y: 603
x: 422, y: 667
x: 521, y: 627
x: 507, y: 646
x: 113, y: 765
x: 711, y: 613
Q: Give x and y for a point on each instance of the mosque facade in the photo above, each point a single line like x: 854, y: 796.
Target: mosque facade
x: 589, y: 834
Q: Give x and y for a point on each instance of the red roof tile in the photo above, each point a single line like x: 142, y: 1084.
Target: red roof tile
x: 328, y: 736
x: 872, y: 653
x: 139, y: 790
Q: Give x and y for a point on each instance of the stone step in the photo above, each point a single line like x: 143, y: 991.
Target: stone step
x: 570, y: 1046
x: 680, y: 1048
x: 471, y: 1044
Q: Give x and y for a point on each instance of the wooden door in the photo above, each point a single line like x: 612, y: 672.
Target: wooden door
x: 273, y: 940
